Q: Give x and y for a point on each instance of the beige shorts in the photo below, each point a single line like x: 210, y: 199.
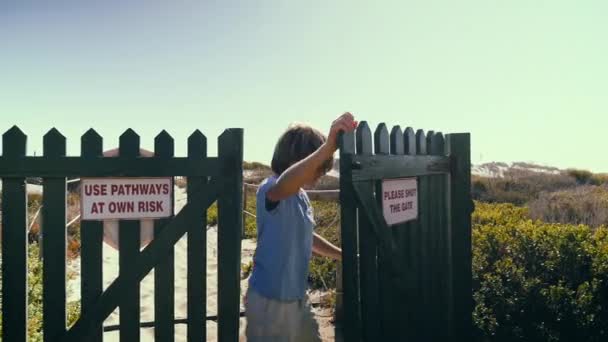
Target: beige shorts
x: 270, y: 320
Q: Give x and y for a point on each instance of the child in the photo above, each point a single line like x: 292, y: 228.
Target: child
x: 276, y: 304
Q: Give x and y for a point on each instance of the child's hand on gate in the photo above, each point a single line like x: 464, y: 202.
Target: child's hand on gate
x: 345, y: 123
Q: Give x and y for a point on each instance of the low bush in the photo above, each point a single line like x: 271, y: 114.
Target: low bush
x: 322, y: 271
x: 34, y: 297
x: 250, y: 224
x: 536, y: 281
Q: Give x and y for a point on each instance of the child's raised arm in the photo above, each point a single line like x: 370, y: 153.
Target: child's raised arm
x: 308, y: 170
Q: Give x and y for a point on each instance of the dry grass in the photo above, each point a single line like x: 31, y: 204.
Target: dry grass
x: 518, y: 189
x: 586, y: 205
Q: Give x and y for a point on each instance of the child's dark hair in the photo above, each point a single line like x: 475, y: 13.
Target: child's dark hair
x: 298, y: 142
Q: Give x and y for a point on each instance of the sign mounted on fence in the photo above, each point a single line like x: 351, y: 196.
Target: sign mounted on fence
x: 126, y: 198
x: 399, y: 200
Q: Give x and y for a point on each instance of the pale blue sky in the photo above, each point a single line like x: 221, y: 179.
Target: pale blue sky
x: 528, y: 79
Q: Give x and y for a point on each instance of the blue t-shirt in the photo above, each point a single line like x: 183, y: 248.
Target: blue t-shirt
x: 284, y: 246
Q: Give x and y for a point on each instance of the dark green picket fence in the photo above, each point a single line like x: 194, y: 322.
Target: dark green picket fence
x: 209, y: 179
x: 411, y: 282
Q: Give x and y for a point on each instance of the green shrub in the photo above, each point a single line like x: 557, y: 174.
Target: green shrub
x: 498, y: 214
x: 212, y: 214
x: 582, y: 177
x: 599, y: 179
x: 322, y: 271
x: 536, y: 281
x: 250, y: 221
x: 34, y: 278
x: 250, y: 224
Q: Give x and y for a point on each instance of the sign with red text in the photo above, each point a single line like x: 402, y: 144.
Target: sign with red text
x: 126, y: 198
x: 400, y: 200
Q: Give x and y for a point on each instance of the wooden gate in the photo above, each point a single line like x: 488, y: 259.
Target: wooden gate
x: 411, y: 281
x: 209, y: 179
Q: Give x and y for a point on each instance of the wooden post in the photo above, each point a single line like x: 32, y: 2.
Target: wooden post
x: 348, y: 219
x: 458, y: 146
x: 414, y: 236
x: 91, y: 233
x: 14, y: 244
x: 368, y: 249
x: 164, y: 273
x: 129, y: 244
x: 435, y: 144
x: 230, y: 210
x: 197, y: 245
x: 423, y: 222
x: 387, y: 291
x: 54, y: 236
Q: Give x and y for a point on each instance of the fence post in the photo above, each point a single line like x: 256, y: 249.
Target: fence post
x: 386, y: 290
x: 230, y: 207
x: 54, y: 237
x: 91, y: 232
x: 458, y: 147
x: 14, y: 244
x: 368, y: 249
x: 413, y: 258
x: 129, y: 246
x: 348, y: 221
x: 164, y: 273
x: 197, y: 246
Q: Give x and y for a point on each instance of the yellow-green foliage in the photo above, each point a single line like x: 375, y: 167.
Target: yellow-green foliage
x: 498, y: 214
x: 34, y: 278
x: 599, y: 178
x: 212, y: 214
x: 322, y: 271
x: 250, y: 225
x: 536, y: 281
x: 585, y: 177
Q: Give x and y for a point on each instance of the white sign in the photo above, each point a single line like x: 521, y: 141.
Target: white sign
x: 126, y: 198
x: 399, y: 200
